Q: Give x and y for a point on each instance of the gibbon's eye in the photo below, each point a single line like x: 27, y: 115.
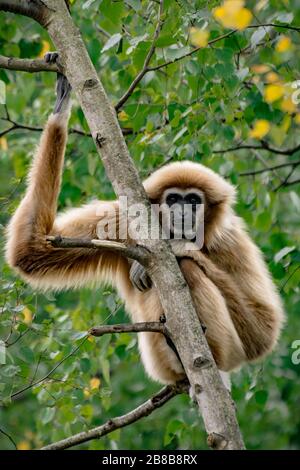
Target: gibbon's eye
x: 193, y: 199
x: 173, y: 198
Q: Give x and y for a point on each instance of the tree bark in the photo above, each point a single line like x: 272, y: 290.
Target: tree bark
x: 213, y: 399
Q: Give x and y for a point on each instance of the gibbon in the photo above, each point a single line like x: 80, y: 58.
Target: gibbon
x: 230, y: 285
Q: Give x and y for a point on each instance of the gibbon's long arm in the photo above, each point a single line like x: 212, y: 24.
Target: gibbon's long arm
x: 27, y: 250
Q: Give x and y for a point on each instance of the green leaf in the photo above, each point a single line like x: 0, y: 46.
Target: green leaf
x: 47, y: 415
x: 113, y: 40
x: 2, y: 92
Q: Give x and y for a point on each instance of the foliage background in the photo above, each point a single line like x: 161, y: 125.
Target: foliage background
x: 205, y: 103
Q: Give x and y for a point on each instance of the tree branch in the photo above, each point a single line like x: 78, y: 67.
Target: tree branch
x: 157, y: 327
x: 219, y: 38
x: 264, y: 146
x: 17, y: 126
x: 148, y: 58
x: 270, y: 168
x: 192, y: 52
x: 27, y: 65
x: 138, y: 413
x: 136, y: 252
x: 45, y: 377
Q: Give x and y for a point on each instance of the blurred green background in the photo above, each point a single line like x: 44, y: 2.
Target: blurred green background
x: 193, y: 109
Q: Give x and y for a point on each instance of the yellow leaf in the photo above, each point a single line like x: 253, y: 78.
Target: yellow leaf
x: 199, y: 37
x: 232, y: 14
x: 272, y: 77
x: 123, y: 116
x: 283, y: 44
x: 91, y: 339
x: 27, y: 314
x: 45, y: 48
x: 273, y: 93
x: 286, y: 124
x: 297, y: 118
x: 3, y: 143
x: 24, y: 445
x: 86, y: 392
x: 244, y: 18
x: 260, y: 68
x: 260, y: 129
x: 288, y: 106
x: 94, y: 383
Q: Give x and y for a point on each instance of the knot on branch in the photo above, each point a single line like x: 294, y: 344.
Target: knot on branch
x: 198, y: 389
x: 90, y: 83
x: 201, y: 362
x: 216, y: 441
x: 100, y: 140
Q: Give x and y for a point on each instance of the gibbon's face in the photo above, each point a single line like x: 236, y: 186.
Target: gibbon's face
x: 182, y: 212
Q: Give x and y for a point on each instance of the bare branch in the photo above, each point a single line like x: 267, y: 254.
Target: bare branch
x: 219, y: 38
x: 27, y: 65
x: 138, y: 253
x: 264, y: 146
x: 18, y: 126
x: 148, y: 58
x: 154, y: 326
x: 270, y: 168
x: 45, y: 377
x: 273, y: 25
x: 8, y: 437
x: 290, y: 183
x: 192, y: 52
x: 36, y: 9
x: 138, y: 413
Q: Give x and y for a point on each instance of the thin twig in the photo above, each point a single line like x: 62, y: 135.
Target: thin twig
x: 148, y: 58
x: 270, y: 168
x: 219, y: 38
x: 37, y: 382
x: 263, y: 146
x: 192, y: 52
x: 8, y: 437
x: 17, y: 126
x: 141, y: 411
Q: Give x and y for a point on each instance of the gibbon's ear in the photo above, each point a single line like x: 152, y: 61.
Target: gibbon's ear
x: 188, y: 174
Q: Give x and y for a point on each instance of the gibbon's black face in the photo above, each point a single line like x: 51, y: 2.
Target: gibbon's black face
x: 185, y: 208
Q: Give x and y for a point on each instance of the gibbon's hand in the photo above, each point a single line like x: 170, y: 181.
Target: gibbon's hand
x: 63, y: 87
x: 139, y: 277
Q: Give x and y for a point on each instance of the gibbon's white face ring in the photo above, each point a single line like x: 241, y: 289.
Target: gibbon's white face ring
x: 179, y: 214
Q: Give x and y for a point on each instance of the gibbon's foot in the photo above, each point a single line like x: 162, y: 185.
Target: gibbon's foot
x: 63, y: 87
x: 139, y: 277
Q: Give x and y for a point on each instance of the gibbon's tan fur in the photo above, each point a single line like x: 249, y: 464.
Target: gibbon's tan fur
x: 229, y: 282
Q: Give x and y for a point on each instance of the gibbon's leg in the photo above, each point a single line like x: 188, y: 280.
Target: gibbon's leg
x: 212, y: 310
x: 251, y: 299
x: 27, y: 250
x: 159, y: 359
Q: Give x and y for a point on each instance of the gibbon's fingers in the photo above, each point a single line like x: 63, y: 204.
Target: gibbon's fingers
x: 51, y: 57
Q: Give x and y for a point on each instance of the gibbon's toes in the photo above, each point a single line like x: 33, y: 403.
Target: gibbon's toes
x: 63, y: 90
x: 139, y: 277
x: 51, y: 57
